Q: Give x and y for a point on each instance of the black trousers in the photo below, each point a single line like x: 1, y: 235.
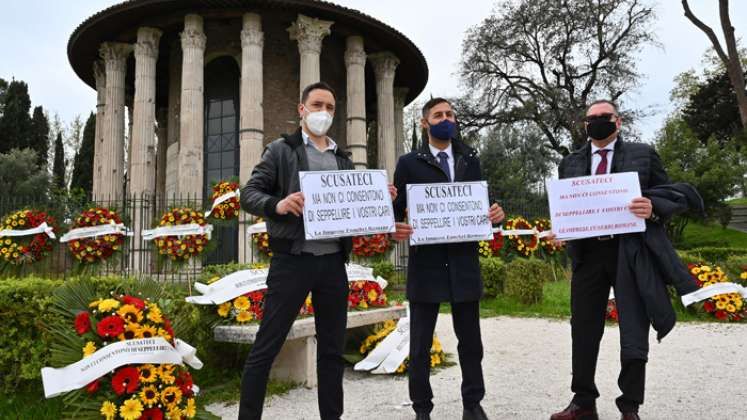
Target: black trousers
x: 466, y: 318
x: 289, y: 282
x: 590, y: 286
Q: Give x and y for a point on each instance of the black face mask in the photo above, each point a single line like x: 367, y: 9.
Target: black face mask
x: 600, y: 129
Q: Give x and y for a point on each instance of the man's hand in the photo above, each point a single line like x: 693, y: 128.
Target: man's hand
x: 496, y: 214
x: 554, y: 242
x: 393, y: 191
x: 403, y: 231
x: 291, y: 204
x: 641, y: 207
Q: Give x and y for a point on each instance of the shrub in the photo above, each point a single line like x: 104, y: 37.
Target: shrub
x: 525, y: 279
x: 384, y: 269
x: 716, y: 255
x: 493, y: 271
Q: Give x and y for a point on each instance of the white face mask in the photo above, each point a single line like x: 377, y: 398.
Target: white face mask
x: 318, y: 122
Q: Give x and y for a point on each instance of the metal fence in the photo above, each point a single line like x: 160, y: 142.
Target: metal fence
x: 230, y: 242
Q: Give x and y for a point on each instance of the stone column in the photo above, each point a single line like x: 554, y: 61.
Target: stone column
x: 355, y: 63
x: 400, y: 96
x: 251, y: 121
x: 309, y: 32
x: 99, y: 72
x: 162, y: 133
x: 114, y: 55
x: 143, y: 165
x: 192, y: 113
x: 128, y: 102
x: 172, y: 149
x: 385, y: 64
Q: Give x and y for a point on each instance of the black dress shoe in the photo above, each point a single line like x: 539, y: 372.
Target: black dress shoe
x: 575, y: 412
x: 422, y: 416
x: 475, y: 413
x: 630, y: 416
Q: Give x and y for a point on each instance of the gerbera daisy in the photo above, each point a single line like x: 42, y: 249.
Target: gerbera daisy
x: 108, y: 410
x: 152, y: 414
x: 190, y: 410
x: 243, y: 316
x: 110, y: 326
x: 89, y: 349
x: 241, y: 303
x: 131, y: 409
x: 130, y: 300
x: 82, y: 323
x: 224, y: 309
x: 107, y: 305
x: 126, y: 380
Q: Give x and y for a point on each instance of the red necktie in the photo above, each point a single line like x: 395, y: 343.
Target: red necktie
x: 602, y: 167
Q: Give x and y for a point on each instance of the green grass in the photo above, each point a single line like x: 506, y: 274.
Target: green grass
x: 698, y: 235
x: 29, y: 404
x: 742, y: 201
x: 555, y: 303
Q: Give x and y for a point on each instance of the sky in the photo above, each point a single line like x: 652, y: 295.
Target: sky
x: 34, y: 35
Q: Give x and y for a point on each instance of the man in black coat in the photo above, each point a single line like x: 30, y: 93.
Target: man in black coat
x: 443, y: 272
x: 299, y: 266
x: 595, y: 269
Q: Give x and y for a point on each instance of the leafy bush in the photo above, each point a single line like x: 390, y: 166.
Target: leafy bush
x: 384, y: 269
x: 525, y: 279
x: 493, y: 271
x: 716, y: 255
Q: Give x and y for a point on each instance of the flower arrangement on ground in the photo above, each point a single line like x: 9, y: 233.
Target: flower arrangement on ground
x: 97, y: 249
x: 262, y: 241
x: 611, y: 314
x: 381, y: 331
x: 524, y: 245
x: 548, y: 247
x: 131, y: 391
x: 179, y: 249
x: 27, y: 249
x: 229, y: 208
x: 725, y: 307
x: 369, y: 246
x: 365, y: 294
x: 493, y: 247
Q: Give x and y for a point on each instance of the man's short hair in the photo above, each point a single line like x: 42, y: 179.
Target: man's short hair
x: 603, y: 101
x: 314, y: 86
x: 431, y: 103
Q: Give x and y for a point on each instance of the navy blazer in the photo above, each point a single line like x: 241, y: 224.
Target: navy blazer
x: 442, y: 272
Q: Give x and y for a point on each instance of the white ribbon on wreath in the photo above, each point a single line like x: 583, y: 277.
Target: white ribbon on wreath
x: 260, y: 227
x: 713, y: 290
x: 94, y: 231
x: 522, y: 232
x: 42, y: 228
x: 154, y: 350
x: 177, y: 230
x: 225, y: 197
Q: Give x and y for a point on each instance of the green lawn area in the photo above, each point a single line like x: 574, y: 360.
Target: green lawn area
x: 698, y: 235
x: 742, y: 201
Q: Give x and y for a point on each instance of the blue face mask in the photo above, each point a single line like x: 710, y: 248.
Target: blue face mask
x: 445, y: 130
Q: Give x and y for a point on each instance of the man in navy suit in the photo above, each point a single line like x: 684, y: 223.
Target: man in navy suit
x: 442, y: 272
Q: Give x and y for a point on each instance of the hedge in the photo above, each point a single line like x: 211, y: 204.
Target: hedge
x: 525, y: 279
x: 493, y: 271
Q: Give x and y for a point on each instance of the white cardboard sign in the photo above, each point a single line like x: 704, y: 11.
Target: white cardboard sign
x: 346, y: 203
x: 448, y: 212
x: 597, y: 205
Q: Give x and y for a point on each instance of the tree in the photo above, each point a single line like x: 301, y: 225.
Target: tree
x: 3, y: 89
x: 730, y: 57
x: 711, y: 110
x: 543, y: 61
x: 15, y: 123
x: 20, y: 176
x: 39, y: 136
x: 82, y: 177
x: 414, y: 138
x: 58, y: 170
x: 515, y: 163
x: 714, y: 170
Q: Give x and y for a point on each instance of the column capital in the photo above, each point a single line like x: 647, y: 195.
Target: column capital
x: 400, y: 95
x: 147, y: 42
x: 355, y: 53
x: 385, y: 64
x: 252, y: 38
x: 309, y: 33
x: 99, y: 72
x: 115, y: 54
x: 193, y: 35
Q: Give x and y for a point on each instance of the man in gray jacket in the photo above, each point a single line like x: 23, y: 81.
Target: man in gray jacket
x: 299, y: 266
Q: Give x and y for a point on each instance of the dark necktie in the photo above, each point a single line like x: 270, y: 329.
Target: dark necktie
x: 443, y: 162
x: 602, y: 167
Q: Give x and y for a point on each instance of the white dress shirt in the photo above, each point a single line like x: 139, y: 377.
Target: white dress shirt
x: 435, y: 151
x: 331, y: 145
x: 596, y: 158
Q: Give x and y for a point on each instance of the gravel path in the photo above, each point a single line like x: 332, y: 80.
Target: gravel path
x: 699, y: 371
